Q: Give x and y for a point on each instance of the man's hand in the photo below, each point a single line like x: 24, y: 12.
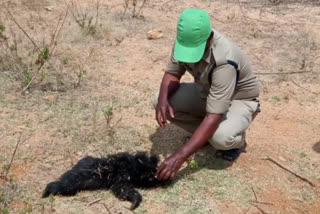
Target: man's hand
x: 170, y: 166
x: 161, y: 112
x: 169, y: 85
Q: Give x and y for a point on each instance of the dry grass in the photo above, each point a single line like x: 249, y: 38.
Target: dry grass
x: 93, y: 97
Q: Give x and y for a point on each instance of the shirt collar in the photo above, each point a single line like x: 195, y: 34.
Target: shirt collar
x: 207, y: 55
x: 218, y: 48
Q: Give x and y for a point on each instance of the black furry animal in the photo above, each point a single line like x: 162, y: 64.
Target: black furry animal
x: 121, y: 173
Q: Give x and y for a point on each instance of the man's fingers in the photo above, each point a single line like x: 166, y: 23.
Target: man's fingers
x: 159, y: 118
x: 161, y: 113
x: 173, y: 171
x: 172, y: 175
x: 161, y: 167
x: 168, y: 168
x: 163, y: 174
x: 166, y: 176
x: 171, y: 112
x: 164, y: 116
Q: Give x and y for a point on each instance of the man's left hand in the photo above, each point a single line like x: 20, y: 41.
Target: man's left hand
x: 170, y: 166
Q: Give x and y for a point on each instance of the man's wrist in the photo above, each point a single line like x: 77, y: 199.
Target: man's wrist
x: 182, y: 155
x: 162, y: 99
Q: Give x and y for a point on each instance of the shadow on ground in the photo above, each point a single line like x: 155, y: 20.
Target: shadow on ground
x: 167, y: 140
x: 316, y: 147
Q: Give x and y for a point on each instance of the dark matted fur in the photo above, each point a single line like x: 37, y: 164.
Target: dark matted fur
x: 121, y: 173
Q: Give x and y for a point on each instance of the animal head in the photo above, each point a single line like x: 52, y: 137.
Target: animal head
x: 145, y: 170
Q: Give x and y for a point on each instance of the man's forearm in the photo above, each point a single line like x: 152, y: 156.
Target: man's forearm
x: 202, y: 134
x: 169, y: 85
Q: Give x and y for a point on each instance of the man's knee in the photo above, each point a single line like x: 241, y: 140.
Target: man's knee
x: 224, y: 140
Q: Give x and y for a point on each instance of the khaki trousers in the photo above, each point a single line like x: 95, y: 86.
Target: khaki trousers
x: 190, y: 109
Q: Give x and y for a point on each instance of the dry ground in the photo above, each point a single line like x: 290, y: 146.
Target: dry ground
x: 93, y: 94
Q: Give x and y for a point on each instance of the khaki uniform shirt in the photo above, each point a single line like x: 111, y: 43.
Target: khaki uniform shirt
x: 225, y: 85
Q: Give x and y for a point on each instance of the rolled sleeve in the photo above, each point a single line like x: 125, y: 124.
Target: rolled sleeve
x: 174, y: 67
x: 221, y: 90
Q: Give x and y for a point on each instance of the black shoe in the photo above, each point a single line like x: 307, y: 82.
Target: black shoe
x: 230, y: 155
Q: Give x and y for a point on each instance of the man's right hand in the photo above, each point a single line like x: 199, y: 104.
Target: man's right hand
x: 170, y: 83
x: 163, y: 107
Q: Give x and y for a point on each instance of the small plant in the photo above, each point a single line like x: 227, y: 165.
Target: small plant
x: 43, y: 76
x: 302, y: 155
x: 2, y: 36
x: 26, y: 210
x: 134, y: 4
x: 6, y: 167
x: 4, y: 211
x: 276, y: 99
x: 66, y: 61
x: 27, y: 76
x: 88, y: 23
x: 2, y: 197
x: 194, y: 164
x: 307, y: 196
x: 80, y: 75
x: 52, y: 200
x: 108, y: 114
x: 23, y: 55
x: 81, y: 68
x: 11, y: 179
x: 43, y: 56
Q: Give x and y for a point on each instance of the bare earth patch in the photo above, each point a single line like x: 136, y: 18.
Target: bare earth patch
x: 83, y: 83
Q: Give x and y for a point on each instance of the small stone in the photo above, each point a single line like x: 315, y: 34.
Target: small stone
x: 49, y: 8
x: 79, y: 153
x: 282, y: 159
x: 154, y: 34
x: 49, y: 5
x: 49, y: 97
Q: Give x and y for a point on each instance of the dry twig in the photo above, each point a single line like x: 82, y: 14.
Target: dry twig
x: 82, y: 67
x: 243, y: 14
x: 93, y: 202
x: 261, y: 202
x: 167, y: 2
x: 260, y: 209
x: 105, y: 206
x: 57, y: 32
x: 13, y: 155
x: 159, y: 58
x: 97, y: 17
x: 247, y: 17
x: 25, y: 33
x: 53, y: 43
x: 256, y: 199
x: 33, y: 78
x: 255, y: 195
x: 270, y: 73
x: 293, y: 173
x: 142, y: 5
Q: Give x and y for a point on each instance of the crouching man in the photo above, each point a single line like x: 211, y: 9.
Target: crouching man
x: 221, y: 103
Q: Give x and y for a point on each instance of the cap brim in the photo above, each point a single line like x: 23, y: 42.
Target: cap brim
x: 188, y: 54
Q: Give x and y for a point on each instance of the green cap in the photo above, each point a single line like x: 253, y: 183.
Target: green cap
x: 193, y: 31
